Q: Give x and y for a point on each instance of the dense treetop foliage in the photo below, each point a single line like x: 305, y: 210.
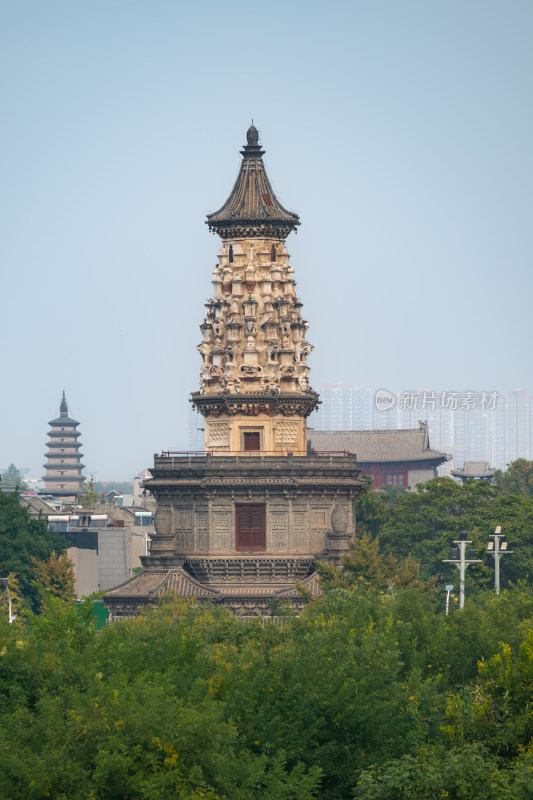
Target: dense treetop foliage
x: 517, y: 478
x: 24, y: 541
x: 366, y: 695
x: 371, y: 693
x: 424, y: 523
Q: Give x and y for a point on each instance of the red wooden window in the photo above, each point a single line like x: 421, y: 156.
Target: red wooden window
x: 395, y: 479
x: 252, y: 440
x: 250, y: 527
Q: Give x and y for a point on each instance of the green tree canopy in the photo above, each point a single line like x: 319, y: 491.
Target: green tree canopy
x: 517, y: 478
x: 366, y: 695
x: 55, y: 576
x: 12, y: 477
x: 88, y: 496
x: 22, y: 538
x: 423, y: 524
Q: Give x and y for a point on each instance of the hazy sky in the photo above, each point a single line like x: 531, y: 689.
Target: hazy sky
x: 400, y: 131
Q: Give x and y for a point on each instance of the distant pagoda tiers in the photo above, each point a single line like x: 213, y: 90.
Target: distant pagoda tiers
x: 242, y: 523
x: 63, y: 478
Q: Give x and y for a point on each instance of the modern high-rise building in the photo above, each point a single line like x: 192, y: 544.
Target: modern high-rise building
x: 473, y: 426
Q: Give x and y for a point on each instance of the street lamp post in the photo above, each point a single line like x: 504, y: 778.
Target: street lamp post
x: 449, y: 588
x: 5, y: 583
x: 462, y: 563
x: 497, y: 549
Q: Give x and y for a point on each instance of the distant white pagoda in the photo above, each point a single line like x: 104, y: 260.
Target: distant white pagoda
x: 63, y: 478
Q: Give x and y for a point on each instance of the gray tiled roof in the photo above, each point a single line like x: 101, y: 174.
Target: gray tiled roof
x: 36, y: 504
x: 68, y: 421
x: 311, y: 584
x: 151, y: 584
x: 474, y: 469
x: 252, y: 206
x: 380, y: 446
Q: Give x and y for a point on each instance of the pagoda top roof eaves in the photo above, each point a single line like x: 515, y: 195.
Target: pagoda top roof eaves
x: 252, y: 209
x: 63, y: 421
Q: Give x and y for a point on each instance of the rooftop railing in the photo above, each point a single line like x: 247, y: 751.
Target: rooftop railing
x: 215, y: 452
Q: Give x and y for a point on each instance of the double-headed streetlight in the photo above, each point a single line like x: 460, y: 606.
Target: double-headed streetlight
x: 459, y: 558
x: 497, y: 549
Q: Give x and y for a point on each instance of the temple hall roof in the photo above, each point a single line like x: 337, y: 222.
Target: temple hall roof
x: 252, y: 209
x: 411, y: 444
x: 151, y: 584
x: 474, y: 469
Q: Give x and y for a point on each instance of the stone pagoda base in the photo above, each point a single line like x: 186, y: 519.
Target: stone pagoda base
x: 243, y: 530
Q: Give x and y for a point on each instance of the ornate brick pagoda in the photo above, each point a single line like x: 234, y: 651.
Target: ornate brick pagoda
x: 242, y: 523
x: 63, y: 478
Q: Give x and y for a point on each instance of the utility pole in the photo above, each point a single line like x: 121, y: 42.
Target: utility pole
x: 497, y: 549
x: 462, y: 563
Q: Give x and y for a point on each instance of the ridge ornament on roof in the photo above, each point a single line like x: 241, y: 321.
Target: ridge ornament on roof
x: 252, y: 209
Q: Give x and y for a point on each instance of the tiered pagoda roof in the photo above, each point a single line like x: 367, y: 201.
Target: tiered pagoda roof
x: 63, y: 418
x: 252, y: 209
x: 63, y: 466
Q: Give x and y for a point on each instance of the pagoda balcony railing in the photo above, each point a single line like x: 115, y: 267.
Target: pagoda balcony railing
x: 216, y: 452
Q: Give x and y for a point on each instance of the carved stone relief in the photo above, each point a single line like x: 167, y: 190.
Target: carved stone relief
x: 287, y: 434
x: 340, y: 517
x: 318, y: 519
x: 299, y: 530
x: 218, y: 433
x: 162, y: 521
x: 279, y: 529
x: 222, y: 539
x: 253, y: 330
x: 202, y: 530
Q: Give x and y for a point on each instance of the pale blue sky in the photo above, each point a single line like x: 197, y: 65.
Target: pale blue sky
x: 401, y: 132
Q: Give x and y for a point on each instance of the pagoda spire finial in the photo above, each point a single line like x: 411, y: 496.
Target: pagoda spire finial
x: 63, y: 408
x: 252, y: 210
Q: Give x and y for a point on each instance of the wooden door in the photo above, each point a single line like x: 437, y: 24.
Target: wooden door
x: 250, y: 523
x: 252, y: 441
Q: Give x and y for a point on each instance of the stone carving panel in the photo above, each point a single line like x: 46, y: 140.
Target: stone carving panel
x: 279, y: 529
x: 218, y: 434
x: 162, y: 521
x: 287, y: 434
x: 340, y: 517
x: 319, y: 529
x: 183, y: 529
x: 182, y: 539
x: 318, y: 519
x: 222, y: 538
x: 202, y: 530
x: 185, y: 519
x: 299, y: 531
